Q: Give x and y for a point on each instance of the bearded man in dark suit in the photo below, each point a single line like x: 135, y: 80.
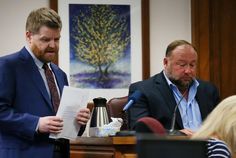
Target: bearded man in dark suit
x: 176, y: 85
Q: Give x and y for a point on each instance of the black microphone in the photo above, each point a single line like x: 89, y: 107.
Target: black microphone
x: 172, y: 128
x: 132, y: 99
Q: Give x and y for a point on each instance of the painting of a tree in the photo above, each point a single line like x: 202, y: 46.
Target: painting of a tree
x: 100, y: 40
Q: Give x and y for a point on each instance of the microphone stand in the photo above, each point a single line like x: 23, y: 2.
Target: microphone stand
x: 125, y: 129
x: 172, y: 130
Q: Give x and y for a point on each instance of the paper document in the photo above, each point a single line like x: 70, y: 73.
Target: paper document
x: 72, y: 100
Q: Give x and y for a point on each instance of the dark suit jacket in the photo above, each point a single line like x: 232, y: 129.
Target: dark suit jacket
x: 23, y: 99
x: 158, y: 101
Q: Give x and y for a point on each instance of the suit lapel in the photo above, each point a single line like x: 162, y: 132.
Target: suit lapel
x: 59, y: 78
x: 167, y: 94
x: 201, y: 102
x: 31, y: 68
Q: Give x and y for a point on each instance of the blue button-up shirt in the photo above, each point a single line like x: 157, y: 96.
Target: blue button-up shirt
x: 189, y: 109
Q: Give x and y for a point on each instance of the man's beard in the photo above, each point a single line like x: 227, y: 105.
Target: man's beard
x: 40, y: 54
x: 181, y: 85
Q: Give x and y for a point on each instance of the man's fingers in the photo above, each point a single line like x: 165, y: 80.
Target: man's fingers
x: 50, y: 124
x: 187, y: 132
x: 55, y: 129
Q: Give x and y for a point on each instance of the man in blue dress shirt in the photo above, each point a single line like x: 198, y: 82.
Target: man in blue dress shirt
x: 175, y: 86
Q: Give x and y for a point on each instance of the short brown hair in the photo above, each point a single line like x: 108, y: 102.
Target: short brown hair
x: 43, y: 17
x: 175, y: 44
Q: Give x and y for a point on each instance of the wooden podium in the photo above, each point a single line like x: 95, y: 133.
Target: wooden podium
x: 105, y: 147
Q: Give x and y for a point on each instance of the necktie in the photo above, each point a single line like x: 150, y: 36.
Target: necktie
x: 52, y: 87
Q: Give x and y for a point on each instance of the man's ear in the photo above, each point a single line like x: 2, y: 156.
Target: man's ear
x: 28, y: 36
x: 165, y: 61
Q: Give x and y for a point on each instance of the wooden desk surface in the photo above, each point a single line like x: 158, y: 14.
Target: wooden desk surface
x: 104, y: 140
x: 116, y: 140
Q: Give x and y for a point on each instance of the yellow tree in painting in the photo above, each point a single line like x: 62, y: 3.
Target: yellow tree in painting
x: 101, y: 37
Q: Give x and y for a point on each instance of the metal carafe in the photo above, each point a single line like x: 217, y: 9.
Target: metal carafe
x: 99, y: 114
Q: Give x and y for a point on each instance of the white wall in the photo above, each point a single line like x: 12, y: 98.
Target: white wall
x: 13, y: 14
x: 169, y: 20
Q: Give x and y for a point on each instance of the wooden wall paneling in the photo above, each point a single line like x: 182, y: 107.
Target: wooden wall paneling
x: 53, y: 5
x: 230, y: 44
x: 146, y: 38
x: 200, y: 36
x: 224, y: 45
x: 214, y: 35
x: 215, y: 63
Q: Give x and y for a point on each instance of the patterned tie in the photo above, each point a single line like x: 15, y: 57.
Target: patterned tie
x: 52, y: 87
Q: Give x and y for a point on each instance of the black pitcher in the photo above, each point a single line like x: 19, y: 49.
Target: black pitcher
x: 99, y: 115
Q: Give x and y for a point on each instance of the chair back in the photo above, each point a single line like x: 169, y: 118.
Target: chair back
x: 149, y: 125
x: 115, y: 109
x: 115, y: 106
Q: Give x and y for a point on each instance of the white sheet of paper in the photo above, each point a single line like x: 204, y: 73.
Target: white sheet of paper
x: 72, y: 100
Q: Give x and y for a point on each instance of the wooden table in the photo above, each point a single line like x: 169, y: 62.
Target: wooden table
x: 106, y: 147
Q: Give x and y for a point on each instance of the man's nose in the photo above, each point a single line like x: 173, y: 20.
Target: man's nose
x: 52, y: 44
x: 188, y: 69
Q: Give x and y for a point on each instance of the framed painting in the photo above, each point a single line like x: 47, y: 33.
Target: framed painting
x: 101, y: 46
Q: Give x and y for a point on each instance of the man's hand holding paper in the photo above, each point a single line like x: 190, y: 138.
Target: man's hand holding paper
x: 73, y: 112
x: 83, y: 116
x: 50, y: 124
